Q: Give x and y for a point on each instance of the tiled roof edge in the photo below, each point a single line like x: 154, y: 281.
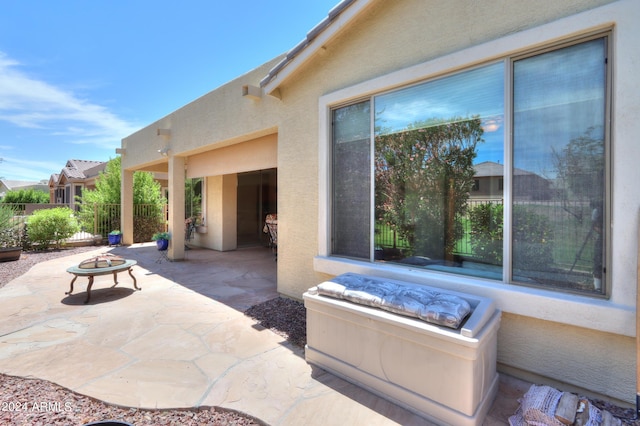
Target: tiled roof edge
x: 311, y: 35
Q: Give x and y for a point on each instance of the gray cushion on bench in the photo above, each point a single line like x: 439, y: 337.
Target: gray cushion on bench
x: 410, y: 300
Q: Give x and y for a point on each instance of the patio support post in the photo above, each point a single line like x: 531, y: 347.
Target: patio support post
x: 176, y: 207
x: 126, y: 207
x: 223, y: 211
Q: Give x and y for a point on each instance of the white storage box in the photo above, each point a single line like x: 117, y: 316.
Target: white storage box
x: 445, y: 375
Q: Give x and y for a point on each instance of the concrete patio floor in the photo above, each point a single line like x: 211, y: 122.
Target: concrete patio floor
x: 183, y: 341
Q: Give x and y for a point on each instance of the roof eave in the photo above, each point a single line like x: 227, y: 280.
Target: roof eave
x: 339, y: 17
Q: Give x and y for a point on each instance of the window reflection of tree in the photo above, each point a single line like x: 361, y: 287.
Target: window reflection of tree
x: 423, y: 177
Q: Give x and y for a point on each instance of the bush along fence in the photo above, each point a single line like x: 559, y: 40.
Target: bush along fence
x: 542, y: 228
x: 101, y: 219
x: 44, y: 225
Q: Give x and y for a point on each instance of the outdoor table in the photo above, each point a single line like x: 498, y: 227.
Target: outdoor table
x: 92, y: 272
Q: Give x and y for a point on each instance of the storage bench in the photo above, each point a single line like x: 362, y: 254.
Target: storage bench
x: 447, y: 375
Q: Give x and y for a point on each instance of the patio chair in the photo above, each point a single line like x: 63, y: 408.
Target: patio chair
x: 271, y: 228
x: 189, y: 230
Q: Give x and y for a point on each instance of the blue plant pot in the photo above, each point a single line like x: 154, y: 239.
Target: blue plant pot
x: 114, y: 240
x: 162, y: 244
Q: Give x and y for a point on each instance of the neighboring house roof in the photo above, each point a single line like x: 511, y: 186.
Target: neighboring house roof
x: 315, y: 39
x: 95, y: 170
x: 83, y: 169
x: 79, y: 170
x: 14, y: 185
x: 490, y: 168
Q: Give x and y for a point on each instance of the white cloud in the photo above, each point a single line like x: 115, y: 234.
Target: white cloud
x: 30, y: 103
x: 20, y: 169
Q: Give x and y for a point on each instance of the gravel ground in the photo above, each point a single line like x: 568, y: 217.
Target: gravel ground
x: 286, y: 317
x: 26, y: 401
x: 12, y: 270
x: 38, y: 402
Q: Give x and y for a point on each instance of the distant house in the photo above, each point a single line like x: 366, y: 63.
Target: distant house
x: 489, y: 183
x: 76, y: 176
x: 16, y: 185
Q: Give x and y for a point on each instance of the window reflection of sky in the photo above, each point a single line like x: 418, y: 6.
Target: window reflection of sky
x: 477, y: 92
x: 558, y: 96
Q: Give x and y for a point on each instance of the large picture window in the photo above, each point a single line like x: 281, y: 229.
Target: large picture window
x: 496, y: 172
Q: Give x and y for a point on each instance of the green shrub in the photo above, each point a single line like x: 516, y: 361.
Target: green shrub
x: 486, y: 232
x: 26, y: 196
x: 532, y: 236
x: 161, y: 236
x: 51, y: 226
x: 145, y: 226
x: 532, y: 240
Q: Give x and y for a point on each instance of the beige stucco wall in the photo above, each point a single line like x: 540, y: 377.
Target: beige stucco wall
x: 220, y: 133
x: 573, y: 339
x: 396, y: 35
x: 598, y: 362
x: 388, y: 36
x: 256, y: 154
x: 219, y: 118
x: 221, y: 205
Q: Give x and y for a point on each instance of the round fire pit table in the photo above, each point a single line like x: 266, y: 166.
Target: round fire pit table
x: 101, y: 265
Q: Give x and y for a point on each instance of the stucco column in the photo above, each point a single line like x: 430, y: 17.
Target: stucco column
x: 176, y: 207
x: 126, y: 206
x: 222, y: 211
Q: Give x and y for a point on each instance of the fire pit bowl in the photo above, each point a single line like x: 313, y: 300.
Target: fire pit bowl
x: 104, y: 264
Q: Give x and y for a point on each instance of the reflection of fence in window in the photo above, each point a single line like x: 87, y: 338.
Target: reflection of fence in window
x: 387, y: 237
x: 570, y: 223
x: 464, y: 246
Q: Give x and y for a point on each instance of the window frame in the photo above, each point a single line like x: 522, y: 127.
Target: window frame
x: 521, y: 300
x: 608, y: 188
x: 203, y: 201
x: 509, y: 192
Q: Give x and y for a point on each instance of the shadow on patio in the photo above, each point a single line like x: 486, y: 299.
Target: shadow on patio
x: 239, y: 279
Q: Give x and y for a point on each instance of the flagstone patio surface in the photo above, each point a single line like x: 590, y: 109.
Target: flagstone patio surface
x: 183, y: 341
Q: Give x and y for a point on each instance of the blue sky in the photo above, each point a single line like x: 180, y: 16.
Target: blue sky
x: 78, y: 76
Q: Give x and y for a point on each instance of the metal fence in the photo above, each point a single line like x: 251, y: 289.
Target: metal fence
x: 98, y: 220
x: 463, y: 246
x: 387, y: 237
x: 570, y: 222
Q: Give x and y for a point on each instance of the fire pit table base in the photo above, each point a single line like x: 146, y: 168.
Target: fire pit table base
x: 91, y: 273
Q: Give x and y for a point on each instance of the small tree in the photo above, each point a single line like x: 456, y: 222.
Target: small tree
x: 423, y: 179
x: 580, y: 169
x: 107, y: 186
x: 51, y: 226
x: 146, y: 190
